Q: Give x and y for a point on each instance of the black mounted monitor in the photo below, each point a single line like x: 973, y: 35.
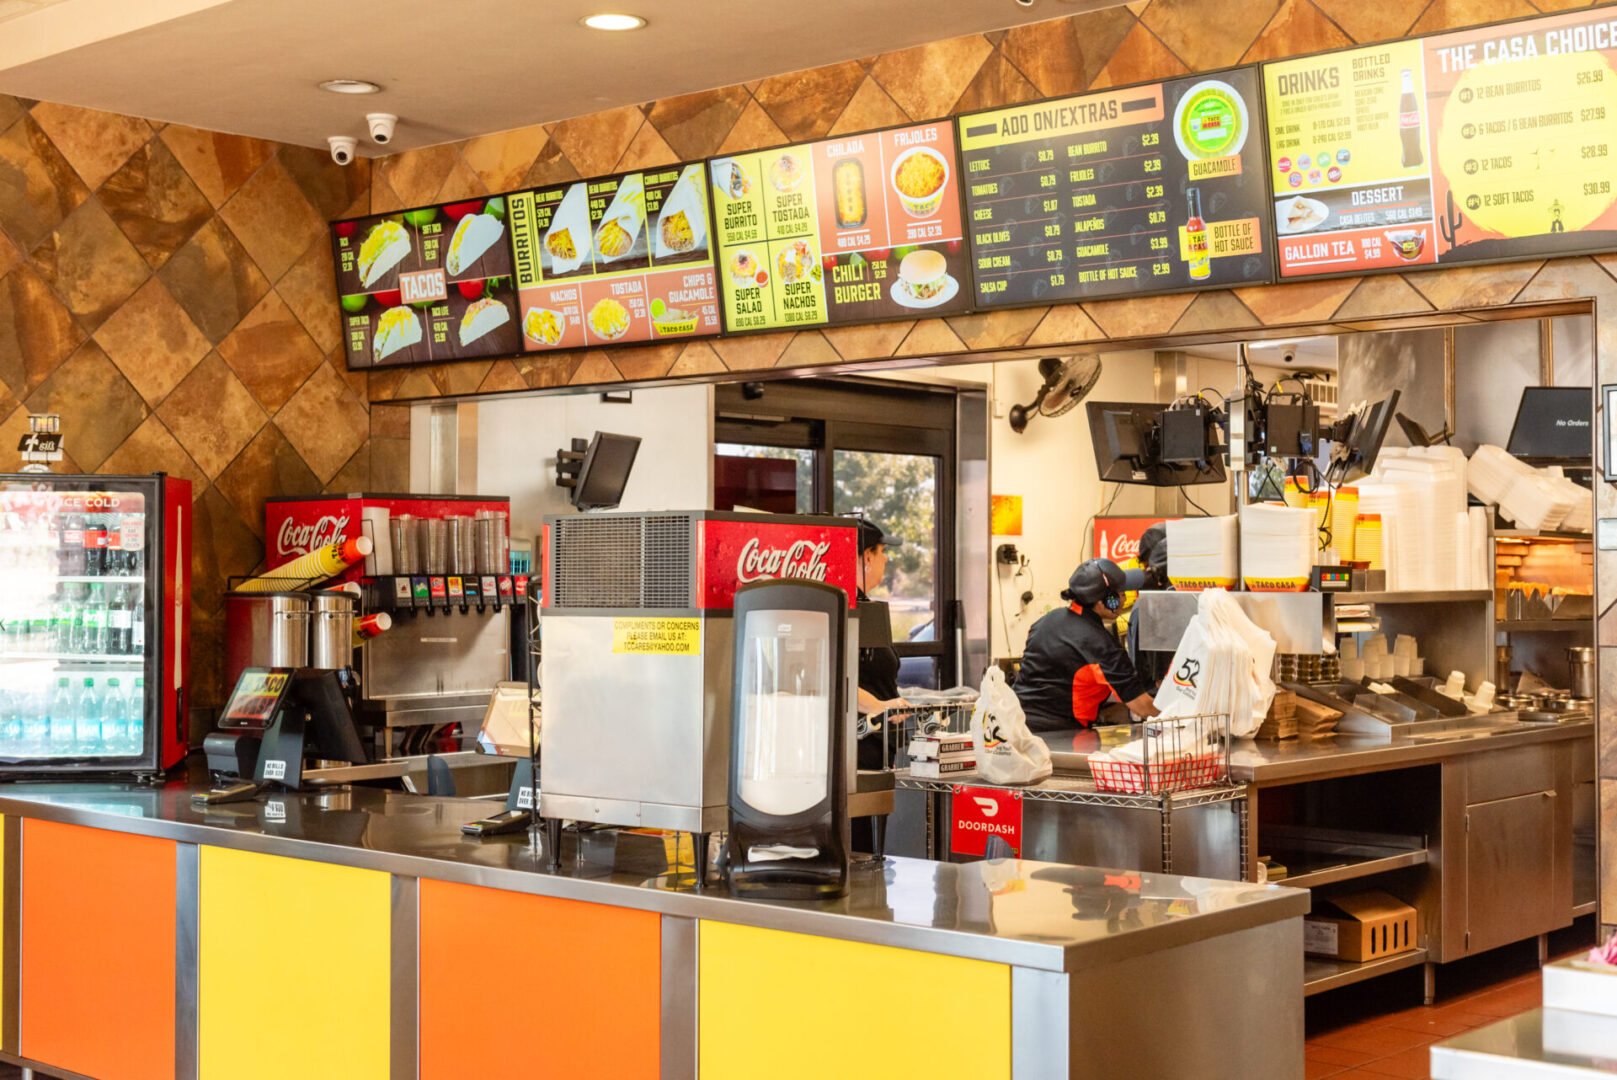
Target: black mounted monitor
x: 1128, y: 439
x: 605, y: 472
x: 1553, y: 423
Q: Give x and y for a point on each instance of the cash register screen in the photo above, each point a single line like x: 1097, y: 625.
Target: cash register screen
x: 258, y: 694
x: 1553, y: 422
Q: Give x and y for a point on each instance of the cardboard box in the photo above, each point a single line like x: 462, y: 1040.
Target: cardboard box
x: 936, y: 770
x: 935, y: 746
x: 1360, y: 926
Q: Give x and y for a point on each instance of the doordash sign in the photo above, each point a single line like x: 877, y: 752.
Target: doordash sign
x: 981, y: 812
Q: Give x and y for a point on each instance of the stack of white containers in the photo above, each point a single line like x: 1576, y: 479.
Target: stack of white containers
x: 1277, y: 546
x: 1429, y: 544
x: 1202, y: 553
x: 1530, y: 498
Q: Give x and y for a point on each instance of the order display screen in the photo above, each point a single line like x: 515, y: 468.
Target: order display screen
x: 615, y: 260
x: 1474, y: 146
x: 852, y: 229
x: 1152, y: 188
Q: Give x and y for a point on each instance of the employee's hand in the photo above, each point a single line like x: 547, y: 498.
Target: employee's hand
x: 1143, y: 707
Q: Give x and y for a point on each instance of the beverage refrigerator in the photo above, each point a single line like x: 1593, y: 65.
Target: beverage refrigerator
x: 95, y: 623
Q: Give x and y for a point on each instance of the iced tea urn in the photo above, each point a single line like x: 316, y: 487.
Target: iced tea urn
x: 788, y: 816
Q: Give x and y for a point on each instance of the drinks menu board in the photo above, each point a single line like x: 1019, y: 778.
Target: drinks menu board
x: 853, y: 229
x: 1144, y: 189
x: 426, y: 285
x: 1479, y: 145
x: 615, y: 260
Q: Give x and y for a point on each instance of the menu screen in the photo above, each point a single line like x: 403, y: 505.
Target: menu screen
x: 1152, y: 188
x: 1479, y: 145
x: 427, y: 285
x: 615, y: 260
x: 853, y: 229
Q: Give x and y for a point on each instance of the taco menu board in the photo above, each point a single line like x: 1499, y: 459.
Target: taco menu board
x: 615, y: 260
x: 1152, y: 188
x: 1484, y: 144
x: 426, y: 285
x: 853, y: 229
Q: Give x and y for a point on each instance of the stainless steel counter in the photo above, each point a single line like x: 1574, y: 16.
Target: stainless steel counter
x: 1028, y: 914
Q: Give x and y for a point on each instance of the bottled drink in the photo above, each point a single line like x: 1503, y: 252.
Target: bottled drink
x: 40, y: 630
x: 133, y: 530
x: 60, y: 719
x: 137, y: 624
x: 1409, y: 129
x: 70, y: 543
x: 36, y: 728
x: 112, y: 559
x: 77, y: 631
x: 95, y: 544
x: 135, y: 729
x: 62, y: 618
x: 114, y: 719
x: 1201, y: 260
x: 87, y: 721
x: 95, y: 622
x: 118, y: 623
x: 11, y: 723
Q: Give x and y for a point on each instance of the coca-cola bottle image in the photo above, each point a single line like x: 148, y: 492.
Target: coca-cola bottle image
x: 95, y: 544
x: 1409, y: 129
x: 112, y: 558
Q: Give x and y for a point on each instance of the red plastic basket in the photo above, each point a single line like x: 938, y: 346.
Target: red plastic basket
x: 1127, y: 778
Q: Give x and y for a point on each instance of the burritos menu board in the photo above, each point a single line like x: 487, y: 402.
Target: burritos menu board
x: 1479, y: 145
x: 615, y: 260
x: 852, y: 229
x: 426, y: 285
x: 1145, y: 189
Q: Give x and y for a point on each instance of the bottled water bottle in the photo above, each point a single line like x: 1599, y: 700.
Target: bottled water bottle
x: 11, y: 723
x: 76, y: 627
x: 135, y: 729
x: 36, y: 726
x: 95, y: 622
x: 114, y: 719
x: 60, y: 720
x: 62, y: 619
x: 87, y: 733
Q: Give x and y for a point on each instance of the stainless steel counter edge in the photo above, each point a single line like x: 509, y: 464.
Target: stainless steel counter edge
x: 1345, y: 755
x: 1257, y: 906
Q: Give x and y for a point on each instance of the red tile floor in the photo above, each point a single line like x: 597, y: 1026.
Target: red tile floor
x: 1380, y: 1028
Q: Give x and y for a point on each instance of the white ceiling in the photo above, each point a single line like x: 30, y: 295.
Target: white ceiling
x: 1308, y: 354
x: 451, y: 69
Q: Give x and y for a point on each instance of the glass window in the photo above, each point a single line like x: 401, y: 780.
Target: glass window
x: 899, y: 492
x: 773, y: 479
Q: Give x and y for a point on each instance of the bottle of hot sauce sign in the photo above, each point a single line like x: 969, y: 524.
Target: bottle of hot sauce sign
x: 1201, y: 261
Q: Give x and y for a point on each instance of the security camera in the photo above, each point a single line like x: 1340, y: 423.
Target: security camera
x: 342, y: 148
x: 1026, y: 3
x: 381, y: 126
x: 1288, y: 355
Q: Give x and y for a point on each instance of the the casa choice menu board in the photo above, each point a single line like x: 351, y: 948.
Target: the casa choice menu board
x: 1152, y: 188
x: 852, y: 229
x: 615, y: 260
x: 1485, y: 144
x: 426, y: 285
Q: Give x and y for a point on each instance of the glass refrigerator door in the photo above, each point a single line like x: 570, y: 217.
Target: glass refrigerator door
x: 74, y: 598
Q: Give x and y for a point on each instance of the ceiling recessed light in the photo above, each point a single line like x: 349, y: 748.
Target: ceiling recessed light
x: 350, y: 86
x: 614, y: 22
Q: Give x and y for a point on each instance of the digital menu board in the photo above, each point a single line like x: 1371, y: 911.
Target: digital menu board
x: 426, y: 285
x: 1479, y: 145
x: 853, y: 229
x: 615, y: 260
x: 1152, y: 188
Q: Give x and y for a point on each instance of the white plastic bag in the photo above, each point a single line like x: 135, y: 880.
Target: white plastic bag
x: 1222, y: 666
x: 1007, y: 751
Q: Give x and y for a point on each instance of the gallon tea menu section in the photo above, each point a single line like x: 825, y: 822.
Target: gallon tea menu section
x: 1151, y: 188
x: 1479, y: 145
x: 853, y: 229
x: 615, y: 260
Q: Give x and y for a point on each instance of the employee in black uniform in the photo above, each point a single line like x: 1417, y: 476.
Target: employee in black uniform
x: 1073, y: 662
x: 1151, y: 666
x: 878, y: 667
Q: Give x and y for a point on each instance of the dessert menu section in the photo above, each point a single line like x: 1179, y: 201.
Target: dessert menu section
x: 1472, y: 146
x: 853, y: 229
x: 426, y: 285
x: 1152, y: 188
x: 615, y: 260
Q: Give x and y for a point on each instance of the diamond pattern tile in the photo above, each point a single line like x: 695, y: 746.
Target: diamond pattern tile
x: 38, y: 188
x: 325, y: 421
x: 695, y: 125
x: 212, y: 414
x: 99, y: 408
x: 215, y: 280
x: 307, y: 289
x: 222, y: 546
x: 269, y: 466
x: 501, y: 160
x: 151, y: 447
x: 273, y: 219
x: 37, y: 332
x: 152, y: 341
x: 91, y: 264
x: 95, y: 143
x: 219, y: 163
x: 271, y: 352
x: 155, y: 202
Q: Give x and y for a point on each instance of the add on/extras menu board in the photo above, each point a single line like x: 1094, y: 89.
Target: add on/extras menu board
x: 1152, y: 188
x: 853, y: 229
x: 427, y: 285
x: 615, y: 260
x: 1473, y: 146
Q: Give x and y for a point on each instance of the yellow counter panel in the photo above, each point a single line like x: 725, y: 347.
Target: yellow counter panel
x: 294, y: 968
x: 771, y: 1000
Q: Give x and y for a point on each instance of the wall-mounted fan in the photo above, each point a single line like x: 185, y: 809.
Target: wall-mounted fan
x: 1066, y: 383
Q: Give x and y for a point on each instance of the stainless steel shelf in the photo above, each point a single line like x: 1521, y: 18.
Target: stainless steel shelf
x: 1524, y: 626
x: 1320, y: 974
x: 76, y: 658
x: 1540, y: 534
x: 1348, y: 871
x: 1429, y: 596
x: 1588, y: 907
x: 1316, y: 856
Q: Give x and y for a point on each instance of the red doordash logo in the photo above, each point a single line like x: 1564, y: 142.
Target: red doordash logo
x: 979, y: 813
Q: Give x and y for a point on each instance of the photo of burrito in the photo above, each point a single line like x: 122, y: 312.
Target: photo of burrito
x: 1299, y: 214
x: 567, y: 241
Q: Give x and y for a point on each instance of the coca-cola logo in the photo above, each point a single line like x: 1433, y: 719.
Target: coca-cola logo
x: 803, y: 559
x: 300, y: 538
x: 1123, y: 549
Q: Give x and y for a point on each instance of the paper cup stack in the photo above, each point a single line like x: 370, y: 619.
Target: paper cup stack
x: 1202, y: 553
x: 1277, y: 547
x: 1367, y: 541
x: 1344, y: 516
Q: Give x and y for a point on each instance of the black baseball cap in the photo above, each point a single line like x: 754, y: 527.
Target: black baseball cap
x: 1097, y: 579
x: 871, y: 534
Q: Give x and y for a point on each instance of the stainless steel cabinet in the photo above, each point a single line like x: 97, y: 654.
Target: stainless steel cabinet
x: 1511, y: 852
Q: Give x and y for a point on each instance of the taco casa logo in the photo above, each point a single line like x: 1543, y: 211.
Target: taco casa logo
x: 1187, y: 674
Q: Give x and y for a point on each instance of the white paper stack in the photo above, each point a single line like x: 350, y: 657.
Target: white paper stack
x: 1432, y: 545
x: 1529, y: 498
x: 1277, y: 546
x: 1202, y: 553
x: 942, y: 754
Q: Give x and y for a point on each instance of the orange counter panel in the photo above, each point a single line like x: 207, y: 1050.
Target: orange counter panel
x: 97, y: 944
x: 579, y: 981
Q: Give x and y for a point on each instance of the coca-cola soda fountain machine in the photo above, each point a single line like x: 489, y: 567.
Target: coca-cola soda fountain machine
x: 637, y: 660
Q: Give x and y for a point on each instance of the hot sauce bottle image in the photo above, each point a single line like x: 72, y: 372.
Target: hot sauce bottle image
x: 1409, y: 122
x: 1201, y: 261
